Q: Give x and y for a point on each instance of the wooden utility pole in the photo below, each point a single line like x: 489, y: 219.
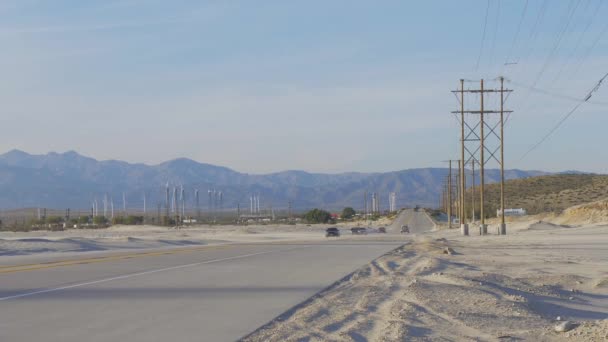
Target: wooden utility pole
x: 503, y: 226
x: 451, y: 190
x: 464, y: 227
x: 445, y: 194
x: 483, y: 229
x: 473, y: 191
x: 470, y: 156
x: 450, y: 195
x: 458, y: 197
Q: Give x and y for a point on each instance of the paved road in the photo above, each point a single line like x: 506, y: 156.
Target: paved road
x: 417, y: 221
x: 216, y: 293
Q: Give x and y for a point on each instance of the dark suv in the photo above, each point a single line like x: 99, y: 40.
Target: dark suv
x: 358, y: 231
x: 333, y: 231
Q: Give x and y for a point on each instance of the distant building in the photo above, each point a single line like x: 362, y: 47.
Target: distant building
x: 513, y: 212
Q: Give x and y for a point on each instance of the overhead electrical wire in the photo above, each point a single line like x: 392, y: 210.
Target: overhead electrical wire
x: 565, y: 117
x: 588, y: 51
x: 553, y: 94
x: 521, y: 20
x: 533, y: 35
x: 483, y: 36
x: 534, y: 31
x: 568, y: 16
x: 496, y: 23
x: 579, y: 39
x: 557, y: 42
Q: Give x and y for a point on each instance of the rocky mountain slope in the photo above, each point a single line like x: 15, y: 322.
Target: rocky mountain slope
x: 70, y: 180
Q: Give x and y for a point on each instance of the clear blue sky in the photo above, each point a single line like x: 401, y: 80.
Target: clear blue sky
x: 324, y: 86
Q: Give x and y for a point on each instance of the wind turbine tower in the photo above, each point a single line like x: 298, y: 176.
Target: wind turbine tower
x: 221, y: 195
x: 173, y: 200
x: 258, y: 204
x: 183, y: 198
x: 124, y: 203
x: 167, y: 198
x: 198, y: 207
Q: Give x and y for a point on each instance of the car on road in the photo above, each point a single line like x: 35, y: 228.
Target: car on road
x: 358, y: 231
x: 405, y: 229
x: 382, y: 230
x: 332, y: 231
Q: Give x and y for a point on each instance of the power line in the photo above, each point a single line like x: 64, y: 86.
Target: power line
x: 533, y: 35
x: 521, y: 20
x: 570, y: 13
x: 534, y: 31
x: 579, y: 39
x: 483, y: 36
x: 496, y: 22
x: 554, y: 94
x: 563, y: 119
x: 587, y: 52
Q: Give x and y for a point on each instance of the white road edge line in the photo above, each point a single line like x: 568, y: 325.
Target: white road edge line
x: 131, y: 275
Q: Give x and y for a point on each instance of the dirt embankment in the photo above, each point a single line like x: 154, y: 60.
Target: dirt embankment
x: 590, y: 213
x: 472, y: 289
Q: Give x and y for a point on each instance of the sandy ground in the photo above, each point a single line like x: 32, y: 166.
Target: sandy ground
x: 145, y: 237
x: 445, y: 287
x: 485, y: 288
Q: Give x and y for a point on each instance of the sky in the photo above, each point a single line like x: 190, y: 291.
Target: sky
x: 321, y: 86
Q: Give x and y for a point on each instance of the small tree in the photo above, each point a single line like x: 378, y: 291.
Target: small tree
x: 99, y: 220
x: 348, y: 213
x: 317, y: 216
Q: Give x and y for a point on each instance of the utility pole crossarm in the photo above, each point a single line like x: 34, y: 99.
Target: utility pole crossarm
x: 479, y: 112
x: 483, y: 91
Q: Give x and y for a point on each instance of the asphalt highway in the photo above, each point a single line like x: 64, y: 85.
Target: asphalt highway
x: 214, y: 293
x: 211, y: 293
x: 417, y: 221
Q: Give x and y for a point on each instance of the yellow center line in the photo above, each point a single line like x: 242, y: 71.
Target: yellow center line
x: 38, y: 266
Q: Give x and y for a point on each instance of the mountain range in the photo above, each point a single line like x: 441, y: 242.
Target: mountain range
x: 71, y: 180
